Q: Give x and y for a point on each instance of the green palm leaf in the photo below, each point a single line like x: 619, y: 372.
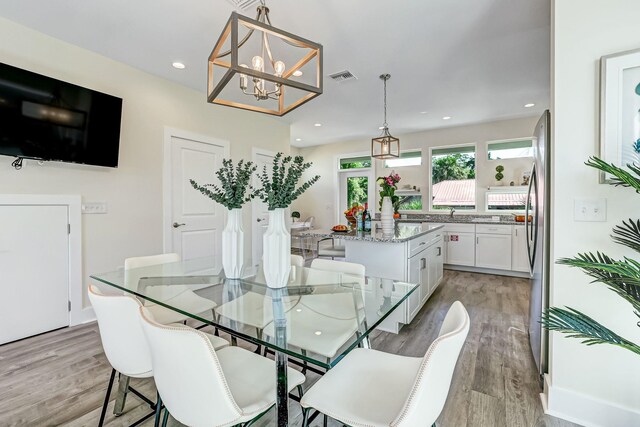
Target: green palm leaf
x: 622, y: 177
x: 628, y: 234
x: 578, y: 325
x: 623, y: 277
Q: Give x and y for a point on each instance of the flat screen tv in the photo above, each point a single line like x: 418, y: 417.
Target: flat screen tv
x: 48, y: 119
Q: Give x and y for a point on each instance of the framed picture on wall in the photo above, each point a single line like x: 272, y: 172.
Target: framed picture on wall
x: 620, y: 109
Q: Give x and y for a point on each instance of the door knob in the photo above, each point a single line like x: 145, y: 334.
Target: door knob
x: 259, y: 220
x: 176, y: 225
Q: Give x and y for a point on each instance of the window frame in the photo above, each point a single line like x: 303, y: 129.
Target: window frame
x: 430, y: 176
x: 499, y: 141
x: 522, y: 189
x: 407, y: 151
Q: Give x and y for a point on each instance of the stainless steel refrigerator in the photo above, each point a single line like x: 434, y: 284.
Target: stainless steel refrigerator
x: 537, y: 230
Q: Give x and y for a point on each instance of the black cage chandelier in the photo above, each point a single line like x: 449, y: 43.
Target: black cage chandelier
x: 385, y: 146
x: 267, y: 85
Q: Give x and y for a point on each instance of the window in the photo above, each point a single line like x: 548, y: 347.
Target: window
x: 357, y: 191
x: 506, y: 200
x: 355, y: 162
x: 453, y: 178
x: 410, y: 158
x: 512, y: 149
x: 410, y: 200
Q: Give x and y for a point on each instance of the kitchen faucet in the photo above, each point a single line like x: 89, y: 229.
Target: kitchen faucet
x: 451, y: 211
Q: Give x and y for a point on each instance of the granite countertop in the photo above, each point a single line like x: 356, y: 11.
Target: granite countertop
x: 402, y: 233
x: 459, y: 219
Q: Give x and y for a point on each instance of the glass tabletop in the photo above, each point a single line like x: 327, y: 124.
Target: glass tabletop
x: 319, y: 317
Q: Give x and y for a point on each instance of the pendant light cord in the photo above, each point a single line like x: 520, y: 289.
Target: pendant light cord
x: 385, y: 102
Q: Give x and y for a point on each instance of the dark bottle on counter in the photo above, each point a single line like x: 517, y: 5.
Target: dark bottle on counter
x: 366, y: 218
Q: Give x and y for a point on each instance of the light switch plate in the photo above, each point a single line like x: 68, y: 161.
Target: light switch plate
x: 589, y: 209
x: 94, y: 208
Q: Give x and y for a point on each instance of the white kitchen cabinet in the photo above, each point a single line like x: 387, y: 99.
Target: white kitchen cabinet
x: 417, y: 274
x: 435, y: 261
x: 493, y: 251
x: 459, y: 248
x: 519, y: 256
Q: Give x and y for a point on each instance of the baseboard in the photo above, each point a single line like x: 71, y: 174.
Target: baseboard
x: 84, y: 316
x: 486, y: 271
x: 586, y: 410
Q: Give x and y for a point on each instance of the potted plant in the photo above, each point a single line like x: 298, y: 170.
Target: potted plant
x: 621, y: 276
x: 499, y: 175
x: 389, y: 202
x: 233, y: 192
x: 278, y: 190
x: 295, y: 215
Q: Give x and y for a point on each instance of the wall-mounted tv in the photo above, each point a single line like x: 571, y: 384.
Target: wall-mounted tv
x: 48, y: 119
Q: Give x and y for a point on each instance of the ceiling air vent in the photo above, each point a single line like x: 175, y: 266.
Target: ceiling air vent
x: 244, y: 4
x: 342, y: 76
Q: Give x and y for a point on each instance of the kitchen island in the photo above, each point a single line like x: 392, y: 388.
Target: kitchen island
x: 411, y: 253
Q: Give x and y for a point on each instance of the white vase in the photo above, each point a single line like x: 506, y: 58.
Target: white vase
x: 276, y: 244
x: 233, y: 245
x: 386, y: 215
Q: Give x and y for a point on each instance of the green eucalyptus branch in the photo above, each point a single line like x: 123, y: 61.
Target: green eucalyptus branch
x: 279, y: 190
x: 234, y: 189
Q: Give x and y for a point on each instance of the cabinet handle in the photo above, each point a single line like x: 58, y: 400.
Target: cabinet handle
x: 439, y: 250
x: 423, y: 243
x: 477, y: 240
x: 516, y: 232
x: 423, y: 263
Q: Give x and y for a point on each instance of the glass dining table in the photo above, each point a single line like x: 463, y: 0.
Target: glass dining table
x: 313, y: 322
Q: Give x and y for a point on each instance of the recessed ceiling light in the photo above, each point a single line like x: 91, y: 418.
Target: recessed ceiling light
x: 297, y: 73
x: 381, y: 127
x: 318, y: 125
x: 298, y: 310
x: 298, y: 139
x: 178, y: 65
x: 446, y: 118
x: 423, y: 112
x: 529, y: 105
x: 318, y: 332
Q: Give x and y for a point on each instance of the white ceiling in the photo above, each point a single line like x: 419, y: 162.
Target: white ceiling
x: 473, y: 60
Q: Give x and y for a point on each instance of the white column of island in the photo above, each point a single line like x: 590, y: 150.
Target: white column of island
x: 412, y: 254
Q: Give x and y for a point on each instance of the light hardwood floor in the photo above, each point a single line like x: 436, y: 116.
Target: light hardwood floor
x: 60, y: 378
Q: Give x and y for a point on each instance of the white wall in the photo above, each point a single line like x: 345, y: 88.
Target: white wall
x: 320, y: 200
x: 596, y: 385
x: 133, y: 191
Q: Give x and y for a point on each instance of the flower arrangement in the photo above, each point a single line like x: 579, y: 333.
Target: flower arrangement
x: 234, y: 190
x: 279, y: 189
x: 388, y: 187
x: 499, y: 175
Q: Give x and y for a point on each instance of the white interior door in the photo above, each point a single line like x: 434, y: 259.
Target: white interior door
x: 259, y: 211
x: 34, y: 270
x: 196, y: 221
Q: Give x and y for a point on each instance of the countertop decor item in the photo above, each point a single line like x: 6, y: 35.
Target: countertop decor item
x: 279, y: 189
x: 385, y: 146
x: 295, y: 215
x: 619, y: 275
x: 619, y: 111
x: 388, y: 186
x: 234, y: 191
x: 263, y: 81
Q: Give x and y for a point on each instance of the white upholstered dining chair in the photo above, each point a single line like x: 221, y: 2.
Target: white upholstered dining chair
x: 369, y: 388
x: 226, y: 387
x: 178, y: 296
x: 124, y: 343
